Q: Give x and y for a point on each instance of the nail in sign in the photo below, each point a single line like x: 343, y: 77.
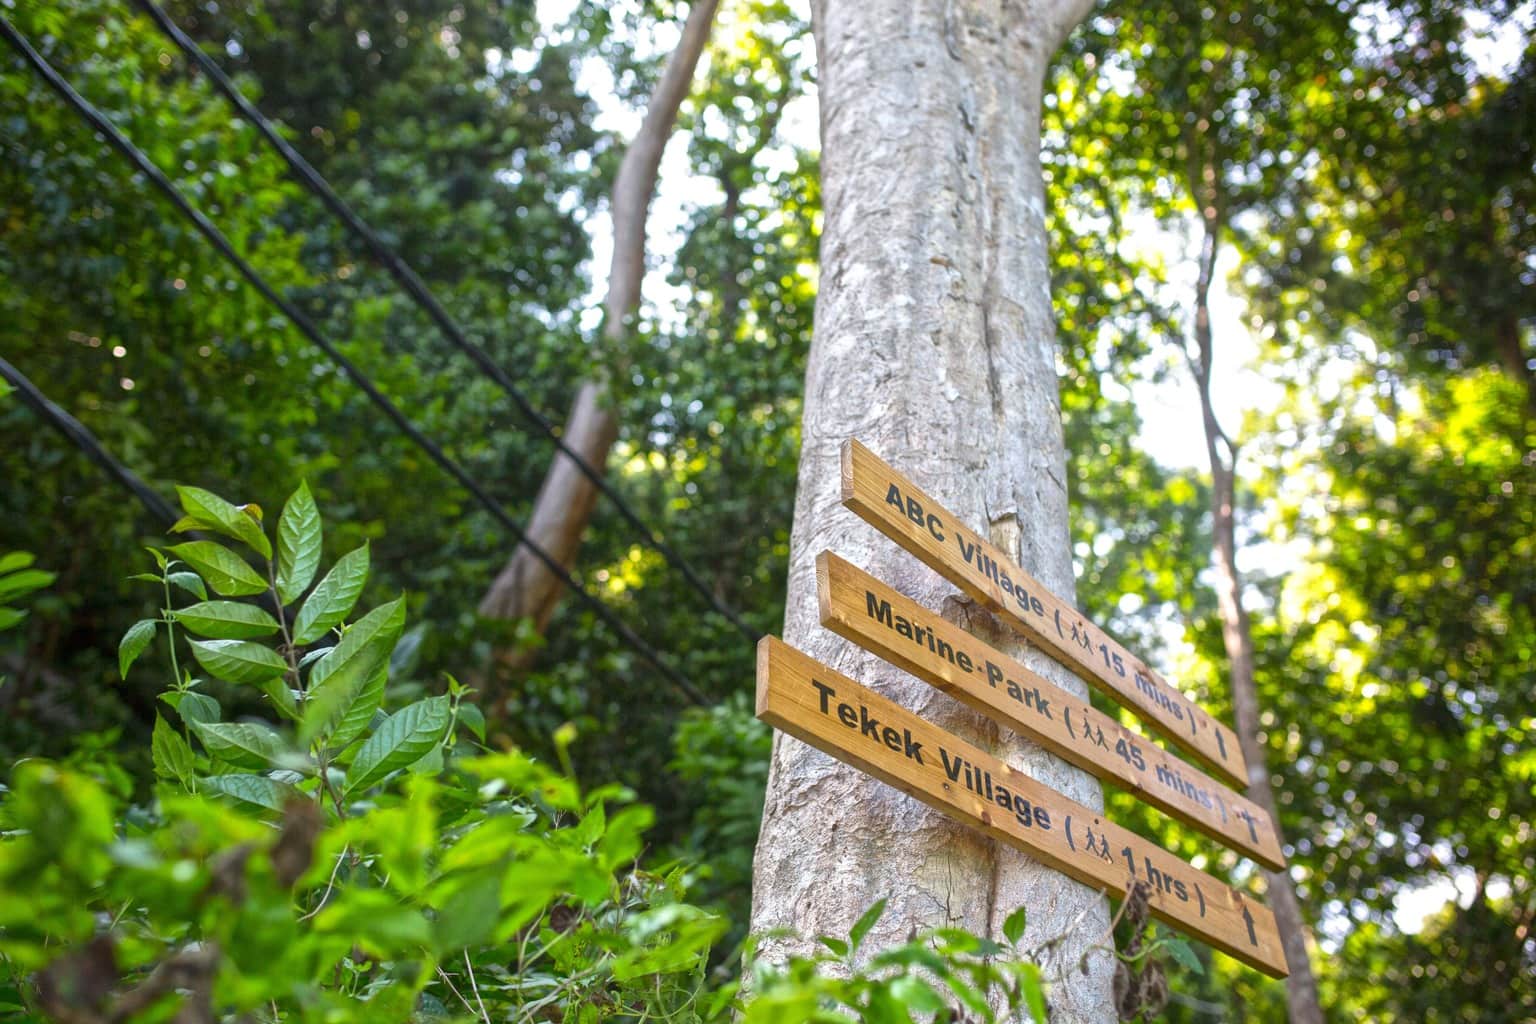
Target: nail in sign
x: 799, y: 696
x: 858, y: 607
x: 899, y: 509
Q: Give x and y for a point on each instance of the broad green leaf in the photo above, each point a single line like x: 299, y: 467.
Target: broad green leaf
x: 430, y: 763
x: 281, y: 695
x: 862, y: 926
x: 333, y: 597
x: 399, y: 740
x: 243, y: 744
x: 226, y: 620
x: 226, y: 572
x: 837, y: 946
x: 253, y: 789
x: 470, y: 908
x: 1180, y: 951
x: 13, y: 560
x: 1034, y: 993
x: 473, y: 720
x: 1013, y: 926
x: 194, y: 707
x: 298, y: 545
x: 376, y: 922
x: 11, y: 616
x: 19, y: 584
x: 191, y: 582
x: 238, y: 661
x: 917, y: 995
x: 338, y: 678
x: 133, y: 644
x: 172, y: 755
x: 361, y: 713
x: 206, y: 509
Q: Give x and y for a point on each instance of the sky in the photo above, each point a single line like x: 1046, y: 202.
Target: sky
x: 1171, y: 432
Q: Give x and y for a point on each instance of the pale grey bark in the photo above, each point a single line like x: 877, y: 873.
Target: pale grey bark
x: 934, y: 344
x: 636, y: 181
x: 526, y: 587
x: 1303, y: 1004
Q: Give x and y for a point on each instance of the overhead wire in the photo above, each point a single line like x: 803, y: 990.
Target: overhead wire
x: 413, y: 285
x: 216, y: 238
x: 88, y: 443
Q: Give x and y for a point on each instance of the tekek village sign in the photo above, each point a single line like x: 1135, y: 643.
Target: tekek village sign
x: 829, y: 711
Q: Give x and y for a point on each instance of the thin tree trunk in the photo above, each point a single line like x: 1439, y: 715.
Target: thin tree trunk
x: 525, y: 586
x: 1302, y: 1002
x: 934, y: 345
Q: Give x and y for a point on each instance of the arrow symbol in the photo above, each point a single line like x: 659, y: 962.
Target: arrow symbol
x: 1248, y: 920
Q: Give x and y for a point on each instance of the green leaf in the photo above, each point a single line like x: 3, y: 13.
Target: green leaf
x: 206, y: 509
x: 333, y: 597
x: 1034, y: 992
x: 191, y: 582
x: 338, y: 678
x: 195, y: 707
x: 360, y: 715
x: 837, y: 946
x: 252, y: 789
x: 226, y: 620
x: 399, y: 740
x: 172, y: 754
x: 470, y: 908
x: 298, y: 545
x: 915, y: 994
x: 242, y: 744
x: 1186, y: 958
x: 133, y: 644
x: 11, y: 616
x: 862, y: 926
x: 13, y: 560
x: 1013, y: 927
x: 375, y: 921
x: 281, y: 695
x: 238, y: 661
x: 473, y: 720
x: 226, y: 572
x: 19, y: 584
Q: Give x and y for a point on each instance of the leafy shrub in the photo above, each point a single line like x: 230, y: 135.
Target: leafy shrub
x: 338, y: 862
x: 343, y: 864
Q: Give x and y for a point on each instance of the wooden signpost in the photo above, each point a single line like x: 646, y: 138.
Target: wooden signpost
x: 858, y: 607
x: 900, y: 510
x: 831, y: 712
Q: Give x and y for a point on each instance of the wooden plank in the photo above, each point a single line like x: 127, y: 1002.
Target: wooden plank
x: 860, y: 608
x: 852, y: 723
x: 900, y: 509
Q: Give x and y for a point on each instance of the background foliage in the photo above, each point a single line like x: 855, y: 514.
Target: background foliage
x: 1370, y: 167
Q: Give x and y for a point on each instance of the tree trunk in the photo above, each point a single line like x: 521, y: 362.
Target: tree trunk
x: 933, y: 345
x: 1302, y: 1001
x: 525, y: 586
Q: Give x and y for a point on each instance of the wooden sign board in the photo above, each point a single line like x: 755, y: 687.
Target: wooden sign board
x: 860, y: 608
x: 899, y: 509
x: 852, y: 723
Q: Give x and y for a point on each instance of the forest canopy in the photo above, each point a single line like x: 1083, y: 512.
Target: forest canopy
x: 1320, y: 217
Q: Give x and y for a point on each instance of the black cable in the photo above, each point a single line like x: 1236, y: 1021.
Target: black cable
x: 417, y: 289
x: 86, y: 441
x: 216, y: 238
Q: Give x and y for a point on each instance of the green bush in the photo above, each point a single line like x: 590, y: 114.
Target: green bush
x: 337, y: 862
